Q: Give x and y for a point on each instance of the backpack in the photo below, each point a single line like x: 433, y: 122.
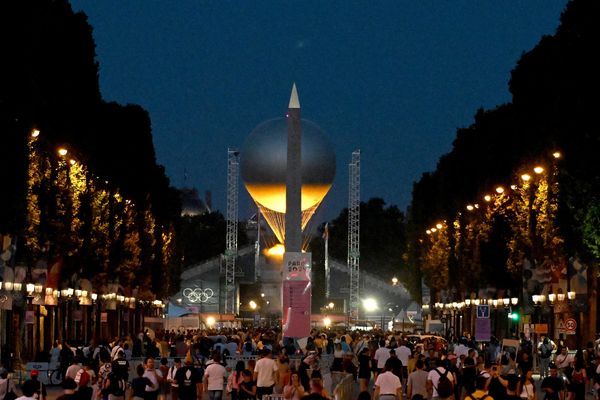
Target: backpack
x: 485, y: 396
x: 116, y: 385
x: 104, y: 354
x: 545, y: 351
x: 82, y: 378
x: 445, y: 387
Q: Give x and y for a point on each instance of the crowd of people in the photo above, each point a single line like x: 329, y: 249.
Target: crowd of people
x: 248, y: 364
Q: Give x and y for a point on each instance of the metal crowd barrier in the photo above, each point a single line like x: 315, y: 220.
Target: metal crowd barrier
x: 344, y: 390
x: 232, y: 360
x: 272, y: 397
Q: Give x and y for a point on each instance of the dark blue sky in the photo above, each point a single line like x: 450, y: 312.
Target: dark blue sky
x: 393, y: 78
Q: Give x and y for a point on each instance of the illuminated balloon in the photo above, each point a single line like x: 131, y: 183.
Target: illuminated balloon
x: 263, y: 168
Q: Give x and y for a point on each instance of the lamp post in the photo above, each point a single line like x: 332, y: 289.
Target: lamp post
x: 6, y: 299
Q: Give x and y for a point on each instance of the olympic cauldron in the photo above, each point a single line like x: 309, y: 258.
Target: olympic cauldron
x: 263, y: 168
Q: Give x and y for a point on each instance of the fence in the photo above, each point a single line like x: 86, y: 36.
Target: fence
x: 344, y: 389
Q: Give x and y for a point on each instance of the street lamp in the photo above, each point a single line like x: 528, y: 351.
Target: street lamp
x: 252, y: 305
x: 394, y: 281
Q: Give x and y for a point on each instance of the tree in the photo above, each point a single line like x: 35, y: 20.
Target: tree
x: 382, y: 242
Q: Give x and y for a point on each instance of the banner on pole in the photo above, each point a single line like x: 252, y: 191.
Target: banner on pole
x: 296, y: 296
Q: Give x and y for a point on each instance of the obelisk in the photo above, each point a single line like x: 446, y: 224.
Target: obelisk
x: 296, y: 274
x: 293, y: 178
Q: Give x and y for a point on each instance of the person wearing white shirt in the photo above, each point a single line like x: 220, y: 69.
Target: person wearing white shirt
x: 564, y: 359
x: 6, y: 385
x: 461, y: 349
x: 150, y: 373
x: 265, y: 372
x: 214, y: 377
x: 433, y: 379
x: 381, y: 356
x: 387, y: 385
x: 403, y: 353
x: 115, y: 350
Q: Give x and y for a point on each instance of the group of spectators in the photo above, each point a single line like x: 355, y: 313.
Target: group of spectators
x: 192, y: 364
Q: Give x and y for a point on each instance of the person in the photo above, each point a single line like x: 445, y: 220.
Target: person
x: 235, y: 378
x: 434, y: 377
x: 381, y: 356
x: 338, y: 356
x: 138, y: 384
x: 105, y: 369
x: 85, y: 379
x: 265, y: 373
x: 189, y: 381
x: 118, y: 346
x: 365, y: 395
x: 525, y: 364
x: 563, y: 360
x: 403, y: 353
x: 40, y: 387
x: 497, y: 386
x: 54, y: 355
x: 294, y: 390
x: 417, y: 381
x: 247, y: 387
x: 69, y: 390
x: 387, y: 385
x: 214, y: 376
x: 480, y: 392
x: 164, y: 385
x: 345, y: 346
x: 527, y: 386
x: 74, y: 368
x: 553, y: 385
x: 364, y: 369
x: 120, y: 365
x: 29, y: 389
x: 6, y: 385
x: 152, y: 391
x: 316, y: 387
x: 65, y: 358
x: 171, y: 377
x: 283, y: 371
x: 396, y: 364
x: 469, y: 372
x: 348, y: 365
x: 578, y: 377
x: 545, y: 351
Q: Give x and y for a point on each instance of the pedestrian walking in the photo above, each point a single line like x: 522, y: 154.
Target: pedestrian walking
x: 214, y: 376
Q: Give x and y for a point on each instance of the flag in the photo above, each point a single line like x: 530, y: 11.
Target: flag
x: 326, y: 231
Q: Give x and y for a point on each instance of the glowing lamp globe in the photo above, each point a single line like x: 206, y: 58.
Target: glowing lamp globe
x: 263, y: 168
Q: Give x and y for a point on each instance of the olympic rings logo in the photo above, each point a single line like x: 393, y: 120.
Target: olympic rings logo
x: 198, y: 295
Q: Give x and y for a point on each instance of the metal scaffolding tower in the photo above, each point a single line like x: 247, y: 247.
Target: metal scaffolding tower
x: 232, y: 230
x: 354, y: 232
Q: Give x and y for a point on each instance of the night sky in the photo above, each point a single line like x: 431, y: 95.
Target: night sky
x: 393, y: 78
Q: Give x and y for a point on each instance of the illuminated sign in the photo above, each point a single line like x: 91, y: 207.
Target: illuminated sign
x: 198, y: 295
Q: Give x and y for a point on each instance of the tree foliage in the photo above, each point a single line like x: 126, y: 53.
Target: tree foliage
x: 111, y: 213
x: 382, y: 242
x: 554, y: 88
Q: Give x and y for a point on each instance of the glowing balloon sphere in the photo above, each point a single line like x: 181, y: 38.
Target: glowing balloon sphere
x: 263, y: 169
